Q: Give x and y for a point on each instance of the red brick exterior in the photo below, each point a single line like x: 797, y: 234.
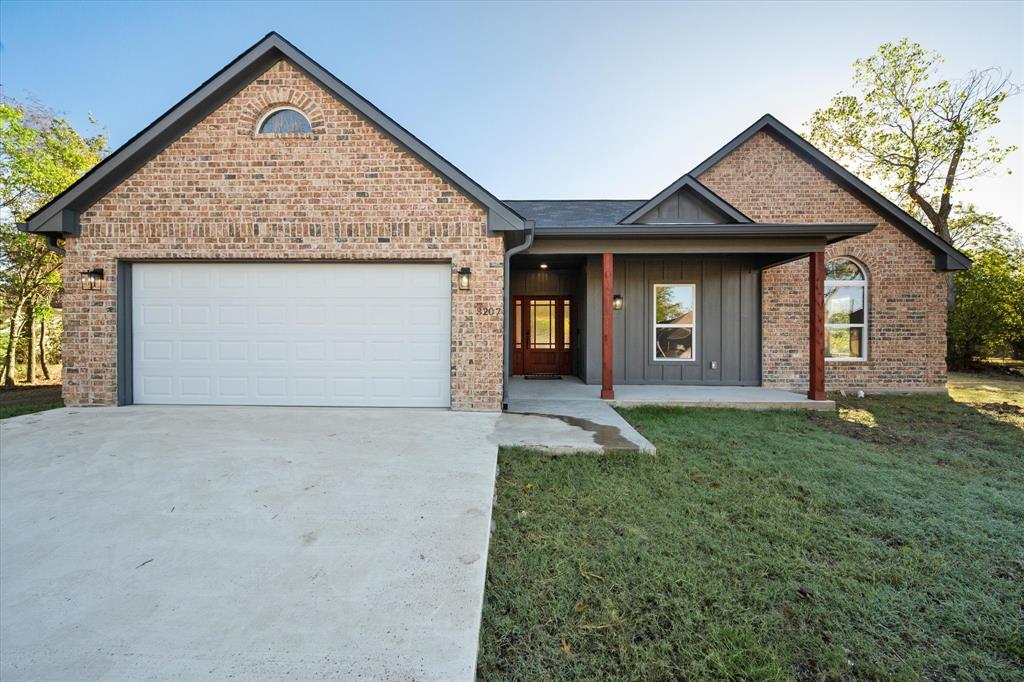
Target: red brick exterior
x: 906, y: 297
x: 345, y: 192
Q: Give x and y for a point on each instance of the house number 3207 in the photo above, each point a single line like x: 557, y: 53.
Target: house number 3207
x: 488, y: 311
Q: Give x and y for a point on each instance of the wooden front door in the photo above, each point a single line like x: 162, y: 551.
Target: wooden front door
x: 542, y: 335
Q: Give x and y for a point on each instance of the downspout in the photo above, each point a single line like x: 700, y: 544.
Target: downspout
x: 51, y: 243
x: 507, y: 351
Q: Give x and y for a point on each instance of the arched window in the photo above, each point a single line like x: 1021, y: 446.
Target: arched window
x: 846, y: 310
x: 284, y: 121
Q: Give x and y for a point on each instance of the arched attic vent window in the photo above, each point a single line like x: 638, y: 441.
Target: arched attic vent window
x: 284, y: 120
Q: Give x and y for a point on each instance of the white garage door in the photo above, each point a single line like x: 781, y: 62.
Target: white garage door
x: 291, y: 334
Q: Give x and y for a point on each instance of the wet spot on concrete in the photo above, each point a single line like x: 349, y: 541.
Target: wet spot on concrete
x: 469, y: 559
x: 608, y: 437
x: 309, y: 538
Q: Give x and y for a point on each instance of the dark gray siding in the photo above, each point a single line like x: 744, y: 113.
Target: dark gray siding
x: 728, y: 320
x: 683, y: 207
x: 552, y: 282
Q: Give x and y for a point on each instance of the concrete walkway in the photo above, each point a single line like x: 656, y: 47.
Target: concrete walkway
x: 573, y: 402
x: 249, y: 543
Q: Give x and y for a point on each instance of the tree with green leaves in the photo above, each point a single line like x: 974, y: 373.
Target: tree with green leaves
x: 988, y: 318
x: 41, y: 154
x: 921, y: 136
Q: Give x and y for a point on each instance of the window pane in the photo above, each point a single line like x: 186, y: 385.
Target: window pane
x: 844, y: 343
x: 286, y: 121
x: 844, y: 305
x: 566, y: 309
x: 542, y: 328
x: 674, y: 343
x: 519, y: 324
x: 673, y: 303
x: 842, y: 268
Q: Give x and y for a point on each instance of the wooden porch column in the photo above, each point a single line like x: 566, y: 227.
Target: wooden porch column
x: 816, y: 314
x: 607, y: 393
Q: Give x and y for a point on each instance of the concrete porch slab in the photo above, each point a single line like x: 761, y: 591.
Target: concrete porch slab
x: 629, y: 395
x: 737, y: 397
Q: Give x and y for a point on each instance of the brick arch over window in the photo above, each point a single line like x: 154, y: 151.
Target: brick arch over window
x: 269, y: 101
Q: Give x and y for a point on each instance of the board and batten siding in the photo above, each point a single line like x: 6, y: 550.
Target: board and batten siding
x: 728, y: 310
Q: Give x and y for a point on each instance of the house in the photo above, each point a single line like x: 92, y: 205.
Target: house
x: 274, y: 238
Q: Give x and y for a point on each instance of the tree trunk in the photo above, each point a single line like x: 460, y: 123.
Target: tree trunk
x: 9, y: 381
x: 42, y: 349
x: 30, y: 354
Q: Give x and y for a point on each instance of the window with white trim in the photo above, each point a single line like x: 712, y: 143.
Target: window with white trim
x: 284, y: 120
x: 846, y: 310
x: 675, y: 322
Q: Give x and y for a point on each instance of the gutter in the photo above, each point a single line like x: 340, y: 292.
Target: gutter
x: 506, y: 351
x: 755, y: 230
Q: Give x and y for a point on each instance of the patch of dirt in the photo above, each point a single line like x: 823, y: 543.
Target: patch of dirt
x: 878, y: 434
x: 29, y: 395
x: 1001, y: 408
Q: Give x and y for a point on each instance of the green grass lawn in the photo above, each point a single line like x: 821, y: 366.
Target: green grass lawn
x: 885, y: 541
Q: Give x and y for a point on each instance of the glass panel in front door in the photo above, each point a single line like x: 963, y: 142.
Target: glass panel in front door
x: 542, y: 324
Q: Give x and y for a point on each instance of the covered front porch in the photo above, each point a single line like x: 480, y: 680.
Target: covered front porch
x: 659, y: 301
x: 673, y: 326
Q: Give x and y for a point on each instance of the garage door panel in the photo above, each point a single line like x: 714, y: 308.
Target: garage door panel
x: 292, y: 334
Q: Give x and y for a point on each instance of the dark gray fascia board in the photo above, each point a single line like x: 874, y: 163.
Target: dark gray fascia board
x: 690, y: 182
x: 831, y: 233
x: 947, y: 257
x: 208, y: 96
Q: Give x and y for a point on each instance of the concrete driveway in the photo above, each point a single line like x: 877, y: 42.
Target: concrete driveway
x: 182, y: 542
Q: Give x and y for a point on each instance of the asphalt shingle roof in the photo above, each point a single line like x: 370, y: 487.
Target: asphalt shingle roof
x: 576, y: 213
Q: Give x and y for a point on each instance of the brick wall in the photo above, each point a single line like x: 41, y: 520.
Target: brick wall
x: 344, y: 192
x: 906, y: 297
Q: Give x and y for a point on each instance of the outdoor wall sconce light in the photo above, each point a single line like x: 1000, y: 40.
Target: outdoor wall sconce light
x: 464, y: 274
x: 617, y: 302
x: 91, y: 278
x: 543, y: 266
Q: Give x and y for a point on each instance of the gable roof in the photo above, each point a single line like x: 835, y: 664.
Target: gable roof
x: 688, y: 181
x: 947, y: 257
x: 60, y: 215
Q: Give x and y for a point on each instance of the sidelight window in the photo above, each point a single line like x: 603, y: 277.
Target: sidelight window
x: 675, y: 322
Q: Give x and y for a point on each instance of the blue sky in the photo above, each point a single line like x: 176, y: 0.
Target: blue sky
x: 574, y: 100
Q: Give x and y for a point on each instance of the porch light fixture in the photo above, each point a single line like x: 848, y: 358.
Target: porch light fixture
x: 617, y: 302
x: 543, y: 266
x: 91, y: 278
x: 464, y: 274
